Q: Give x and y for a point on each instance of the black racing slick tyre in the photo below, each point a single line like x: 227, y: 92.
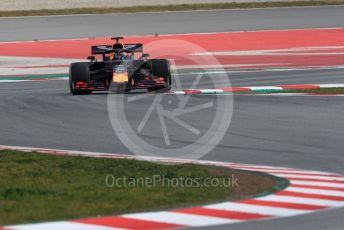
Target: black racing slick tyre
x: 161, y: 68
x: 79, y: 72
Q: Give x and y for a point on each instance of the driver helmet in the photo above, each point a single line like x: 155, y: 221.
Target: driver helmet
x: 122, y: 55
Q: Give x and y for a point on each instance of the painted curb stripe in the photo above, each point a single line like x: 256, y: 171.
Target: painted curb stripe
x: 295, y: 94
x: 302, y: 200
x: 127, y: 223
x: 286, y: 171
x: 331, y: 85
x: 325, y: 184
x: 282, y: 204
x: 300, y: 87
x: 60, y: 225
x: 257, y: 166
x: 257, y: 209
x: 308, y: 195
x: 318, y: 187
x: 308, y: 191
x: 262, y: 168
x: 222, y: 213
x: 235, y: 89
x: 262, y: 90
x: 189, y: 220
x: 192, y: 91
x: 309, y: 176
x: 255, y: 89
x: 211, y: 91
x: 332, y: 180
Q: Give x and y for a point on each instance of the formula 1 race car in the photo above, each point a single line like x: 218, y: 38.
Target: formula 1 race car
x: 123, y: 67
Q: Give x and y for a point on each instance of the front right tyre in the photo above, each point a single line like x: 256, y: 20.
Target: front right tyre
x: 79, y: 72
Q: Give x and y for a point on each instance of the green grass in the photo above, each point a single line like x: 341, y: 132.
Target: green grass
x: 159, y: 8
x: 40, y: 187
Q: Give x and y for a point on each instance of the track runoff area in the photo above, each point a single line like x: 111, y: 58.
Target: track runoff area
x: 211, y: 53
x: 309, y: 191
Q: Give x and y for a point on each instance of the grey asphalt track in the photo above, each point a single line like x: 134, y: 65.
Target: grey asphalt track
x: 55, y: 27
x: 300, y: 132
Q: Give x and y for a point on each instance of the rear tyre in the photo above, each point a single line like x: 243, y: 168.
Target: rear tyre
x: 79, y: 72
x: 161, y: 68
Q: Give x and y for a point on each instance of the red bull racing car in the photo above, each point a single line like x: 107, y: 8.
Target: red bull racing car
x: 123, y: 67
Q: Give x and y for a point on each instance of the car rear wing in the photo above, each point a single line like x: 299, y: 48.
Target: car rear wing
x: 100, y: 49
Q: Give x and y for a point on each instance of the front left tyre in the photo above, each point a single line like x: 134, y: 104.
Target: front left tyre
x: 161, y: 69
